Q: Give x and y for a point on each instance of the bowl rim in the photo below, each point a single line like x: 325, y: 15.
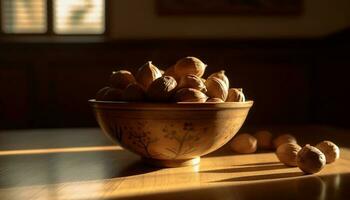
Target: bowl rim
x: 123, y: 105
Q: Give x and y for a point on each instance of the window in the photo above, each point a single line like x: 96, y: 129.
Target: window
x: 79, y: 16
x: 20, y: 16
x: 52, y: 16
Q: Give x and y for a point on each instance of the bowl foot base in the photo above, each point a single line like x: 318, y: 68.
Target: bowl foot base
x: 172, y: 163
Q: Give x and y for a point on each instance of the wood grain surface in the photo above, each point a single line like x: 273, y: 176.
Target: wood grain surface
x: 82, y: 164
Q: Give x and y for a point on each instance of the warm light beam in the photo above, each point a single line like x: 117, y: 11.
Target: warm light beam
x: 59, y: 150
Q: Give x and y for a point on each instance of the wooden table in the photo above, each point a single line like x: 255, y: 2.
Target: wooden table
x: 83, y: 164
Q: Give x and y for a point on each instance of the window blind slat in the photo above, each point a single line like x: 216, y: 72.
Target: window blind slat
x: 23, y: 16
x: 69, y: 16
x: 79, y: 16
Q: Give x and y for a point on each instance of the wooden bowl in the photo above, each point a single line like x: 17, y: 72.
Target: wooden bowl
x: 170, y: 134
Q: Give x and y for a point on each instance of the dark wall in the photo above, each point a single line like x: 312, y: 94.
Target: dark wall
x: 47, y: 84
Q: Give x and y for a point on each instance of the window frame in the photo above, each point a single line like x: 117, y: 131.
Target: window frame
x: 49, y: 24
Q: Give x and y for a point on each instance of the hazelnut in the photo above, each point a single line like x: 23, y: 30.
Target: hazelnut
x: 216, y: 88
x: 330, y: 150
x: 189, y: 65
x: 190, y: 95
x: 146, y: 74
x: 162, y: 88
x: 287, y: 153
x: 109, y: 94
x: 221, y: 75
x: 192, y: 81
x: 285, y: 138
x: 121, y: 79
x: 244, y: 143
x: 264, y: 139
x: 310, y: 160
x: 134, y: 92
x: 215, y: 100
x: 235, y: 95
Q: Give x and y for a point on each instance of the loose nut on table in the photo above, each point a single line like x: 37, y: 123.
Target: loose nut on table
x: 310, y: 160
x: 244, y: 143
x: 287, y: 153
x: 285, y: 138
x: 146, y: 74
x: 330, y: 150
x: 264, y: 139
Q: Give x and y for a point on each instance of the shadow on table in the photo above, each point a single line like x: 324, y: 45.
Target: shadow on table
x: 226, y: 151
x: 246, y: 169
x: 136, y: 168
x: 300, y: 187
x: 55, y: 168
x: 260, y: 163
x: 262, y: 177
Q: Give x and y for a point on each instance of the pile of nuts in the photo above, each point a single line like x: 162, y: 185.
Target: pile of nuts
x: 182, y: 82
x: 310, y: 159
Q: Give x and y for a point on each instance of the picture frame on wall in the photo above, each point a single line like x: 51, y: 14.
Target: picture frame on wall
x: 229, y: 7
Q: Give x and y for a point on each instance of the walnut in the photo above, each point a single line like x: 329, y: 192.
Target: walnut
x: 287, y: 153
x: 162, y: 88
x: 244, y: 143
x: 330, y: 150
x: 285, y: 138
x: 310, y: 160
x: 190, y: 95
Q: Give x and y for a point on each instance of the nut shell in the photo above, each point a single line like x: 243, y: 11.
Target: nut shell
x: 216, y: 88
x: 330, y: 150
x: 264, y: 139
x: 161, y: 71
x: 310, y: 160
x: 162, y: 88
x: 134, y: 92
x: 244, y: 143
x: 170, y: 71
x: 192, y: 81
x: 284, y: 138
x: 189, y: 65
x: 287, y: 153
x: 109, y: 94
x: 146, y: 74
x: 121, y: 79
x: 235, y: 95
x: 221, y: 75
x: 190, y: 95
x: 215, y: 100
